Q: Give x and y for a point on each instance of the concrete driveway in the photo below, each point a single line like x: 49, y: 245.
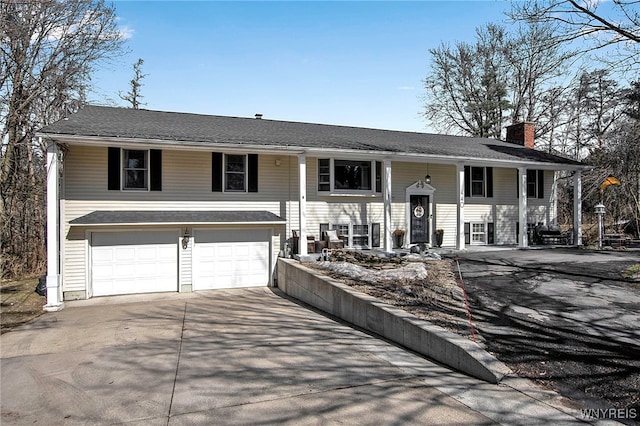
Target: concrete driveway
x: 564, y: 317
x: 245, y: 356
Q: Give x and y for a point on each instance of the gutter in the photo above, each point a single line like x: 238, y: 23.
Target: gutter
x: 232, y: 147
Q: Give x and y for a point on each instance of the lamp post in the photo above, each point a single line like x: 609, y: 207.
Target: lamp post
x: 600, y: 212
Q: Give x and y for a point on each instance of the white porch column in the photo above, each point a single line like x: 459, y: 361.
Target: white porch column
x: 523, y: 239
x: 302, y: 204
x: 460, y: 206
x: 577, y: 208
x: 553, y: 214
x: 388, y: 233
x: 54, y: 287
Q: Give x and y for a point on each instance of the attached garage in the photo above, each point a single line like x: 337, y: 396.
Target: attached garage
x: 231, y: 258
x: 171, y: 251
x: 134, y: 262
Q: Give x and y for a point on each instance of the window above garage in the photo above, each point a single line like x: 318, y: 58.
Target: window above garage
x: 234, y: 172
x: 134, y: 169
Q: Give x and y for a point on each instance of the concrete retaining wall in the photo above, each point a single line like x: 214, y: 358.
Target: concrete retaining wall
x: 394, y: 324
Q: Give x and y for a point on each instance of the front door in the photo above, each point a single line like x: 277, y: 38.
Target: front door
x: 419, y: 218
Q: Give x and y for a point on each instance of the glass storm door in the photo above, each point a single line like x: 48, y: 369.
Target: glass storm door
x: 419, y: 218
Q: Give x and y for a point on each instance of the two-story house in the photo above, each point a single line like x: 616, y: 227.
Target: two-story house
x: 150, y: 201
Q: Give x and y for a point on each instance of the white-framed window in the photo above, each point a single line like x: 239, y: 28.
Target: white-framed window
x: 535, y: 183
x: 478, y: 233
x: 235, y: 173
x: 355, y: 235
x: 360, y: 236
x: 343, y: 232
x: 352, y: 175
x: 135, y: 169
x: 339, y: 176
x: 478, y: 181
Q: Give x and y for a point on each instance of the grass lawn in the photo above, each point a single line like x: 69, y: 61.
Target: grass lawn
x: 19, y: 303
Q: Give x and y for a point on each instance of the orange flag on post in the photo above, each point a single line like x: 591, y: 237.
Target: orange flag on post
x: 610, y: 180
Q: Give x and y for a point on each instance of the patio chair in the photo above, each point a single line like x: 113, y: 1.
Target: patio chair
x: 332, y: 239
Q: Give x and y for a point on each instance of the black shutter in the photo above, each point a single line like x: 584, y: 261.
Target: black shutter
x: 252, y: 173
x: 467, y: 233
x: 490, y: 233
x: 375, y: 234
x: 467, y: 181
x: 216, y: 172
x: 540, y: 184
x: 324, y: 170
x: 489, y: 177
x: 113, y: 173
x: 517, y: 183
x: 378, y: 178
x: 155, y: 170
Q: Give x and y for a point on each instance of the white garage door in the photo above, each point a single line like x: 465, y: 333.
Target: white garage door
x: 231, y: 258
x: 134, y: 262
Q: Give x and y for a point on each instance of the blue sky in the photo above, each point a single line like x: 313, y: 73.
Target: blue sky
x: 348, y: 63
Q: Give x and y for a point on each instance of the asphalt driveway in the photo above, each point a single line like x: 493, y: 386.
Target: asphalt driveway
x: 563, y: 317
x: 246, y: 356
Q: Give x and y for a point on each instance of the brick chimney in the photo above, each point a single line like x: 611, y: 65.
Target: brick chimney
x: 522, y: 134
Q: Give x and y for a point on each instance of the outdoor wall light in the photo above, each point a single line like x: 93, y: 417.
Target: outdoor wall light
x: 427, y: 179
x: 185, y: 239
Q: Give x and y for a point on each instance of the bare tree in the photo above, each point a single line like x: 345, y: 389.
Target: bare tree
x: 47, y: 52
x: 133, y: 96
x: 613, y: 25
x: 466, y: 88
x: 472, y: 88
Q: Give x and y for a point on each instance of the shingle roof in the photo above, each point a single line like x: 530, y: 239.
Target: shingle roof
x: 110, y: 122
x: 176, y: 217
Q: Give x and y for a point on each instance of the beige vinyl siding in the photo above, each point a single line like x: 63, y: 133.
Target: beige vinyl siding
x: 505, y: 224
x: 502, y: 208
x: 75, y: 272
x: 447, y: 220
x: 186, y: 185
x: 186, y: 176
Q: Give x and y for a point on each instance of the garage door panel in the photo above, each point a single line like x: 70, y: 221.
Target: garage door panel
x: 123, y: 254
x: 220, y: 262
x: 134, y: 262
x: 102, y: 256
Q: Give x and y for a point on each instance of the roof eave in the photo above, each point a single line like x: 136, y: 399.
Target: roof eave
x: 106, y: 141
x: 178, y: 223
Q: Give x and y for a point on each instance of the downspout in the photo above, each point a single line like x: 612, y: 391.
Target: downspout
x: 54, y: 282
